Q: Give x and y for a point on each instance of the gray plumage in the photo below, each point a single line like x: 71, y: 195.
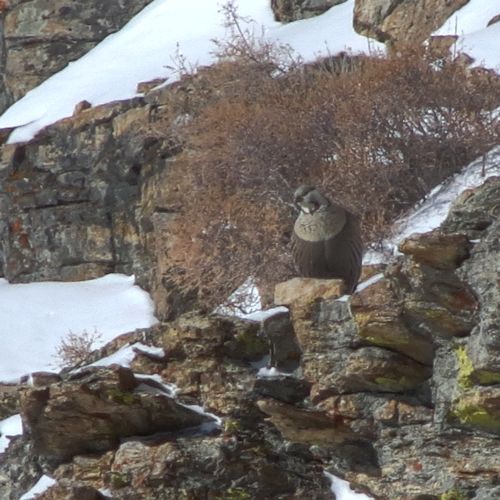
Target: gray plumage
x: 326, y: 241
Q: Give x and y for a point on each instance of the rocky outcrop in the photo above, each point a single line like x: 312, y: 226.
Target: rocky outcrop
x: 103, y: 206
x: 92, y: 409
x: 402, y: 21
x: 388, y: 388
x: 39, y: 38
x: 292, y: 10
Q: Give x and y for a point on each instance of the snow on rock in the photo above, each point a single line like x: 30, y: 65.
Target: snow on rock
x: 35, y: 317
x: 343, y: 491
x: 147, y: 48
x: 43, y: 484
x: 475, y: 37
x: 125, y: 355
x: 271, y: 372
x: 11, y: 426
x: 430, y: 212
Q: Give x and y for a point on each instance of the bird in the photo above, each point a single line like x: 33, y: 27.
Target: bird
x: 326, y: 239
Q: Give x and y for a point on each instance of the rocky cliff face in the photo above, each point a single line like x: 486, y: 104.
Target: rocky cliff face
x: 395, y: 389
x: 39, y: 37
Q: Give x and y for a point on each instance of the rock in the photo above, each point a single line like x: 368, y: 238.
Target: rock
x: 286, y: 389
x: 436, y: 302
x: 91, y: 410
x: 306, y: 426
x: 438, y: 250
x: 474, y: 210
x: 9, y: 400
x: 42, y: 379
x: 285, y: 349
x: 19, y: 469
x: 380, y: 321
x: 292, y: 10
x: 40, y: 39
x: 375, y: 369
x: 478, y: 408
x: 301, y: 291
x: 209, y: 359
x: 67, y: 490
x: 402, y: 21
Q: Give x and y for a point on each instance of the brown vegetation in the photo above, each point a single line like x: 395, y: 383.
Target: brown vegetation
x: 376, y: 138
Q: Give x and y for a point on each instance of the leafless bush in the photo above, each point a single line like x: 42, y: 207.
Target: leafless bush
x: 376, y: 137
x: 75, y: 347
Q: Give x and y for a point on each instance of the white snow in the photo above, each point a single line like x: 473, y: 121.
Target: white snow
x: 43, y: 484
x: 342, y: 489
x: 369, y: 282
x: 11, y: 426
x: 147, y: 47
x: 271, y: 372
x: 430, y: 212
x: 35, y: 317
x: 170, y: 389
x: 475, y: 37
x: 125, y: 355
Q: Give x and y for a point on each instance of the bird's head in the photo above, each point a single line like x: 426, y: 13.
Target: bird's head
x: 309, y: 200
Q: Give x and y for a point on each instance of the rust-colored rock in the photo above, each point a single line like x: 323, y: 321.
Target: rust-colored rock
x: 306, y: 426
x: 378, y: 315
x: 90, y: 411
x: 435, y: 249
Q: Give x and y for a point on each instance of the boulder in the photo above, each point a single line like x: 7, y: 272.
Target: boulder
x: 402, y: 21
x: 91, y: 410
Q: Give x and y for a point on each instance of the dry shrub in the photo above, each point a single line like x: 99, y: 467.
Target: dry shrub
x: 76, y: 347
x: 377, y: 138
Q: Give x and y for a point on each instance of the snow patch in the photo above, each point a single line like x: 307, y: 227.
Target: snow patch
x: 342, y: 489
x: 9, y: 427
x: 35, y: 317
x: 43, y: 484
x: 146, y: 48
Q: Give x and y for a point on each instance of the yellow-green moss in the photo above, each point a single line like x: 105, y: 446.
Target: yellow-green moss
x: 251, y: 345
x: 236, y: 494
x: 395, y: 384
x: 476, y: 416
x: 125, y: 398
x: 452, y: 495
x: 118, y: 480
x: 465, y: 368
x: 232, y: 426
x: 486, y: 377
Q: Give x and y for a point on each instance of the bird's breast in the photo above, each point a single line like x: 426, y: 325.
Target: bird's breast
x: 319, y: 226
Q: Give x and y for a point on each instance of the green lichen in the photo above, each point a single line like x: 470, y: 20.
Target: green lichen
x: 386, y: 342
x: 121, y: 397
x: 452, y: 495
x: 465, y: 368
x: 486, y: 377
x: 118, y: 480
x: 476, y: 416
x: 236, y: 494
x: 232, y: 426
x: 395, y: 384
x: 250, y: 345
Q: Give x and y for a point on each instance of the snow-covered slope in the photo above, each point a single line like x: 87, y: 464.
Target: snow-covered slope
x: 146, y: 48
x: 475, y: 37
x: 35, y: 317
